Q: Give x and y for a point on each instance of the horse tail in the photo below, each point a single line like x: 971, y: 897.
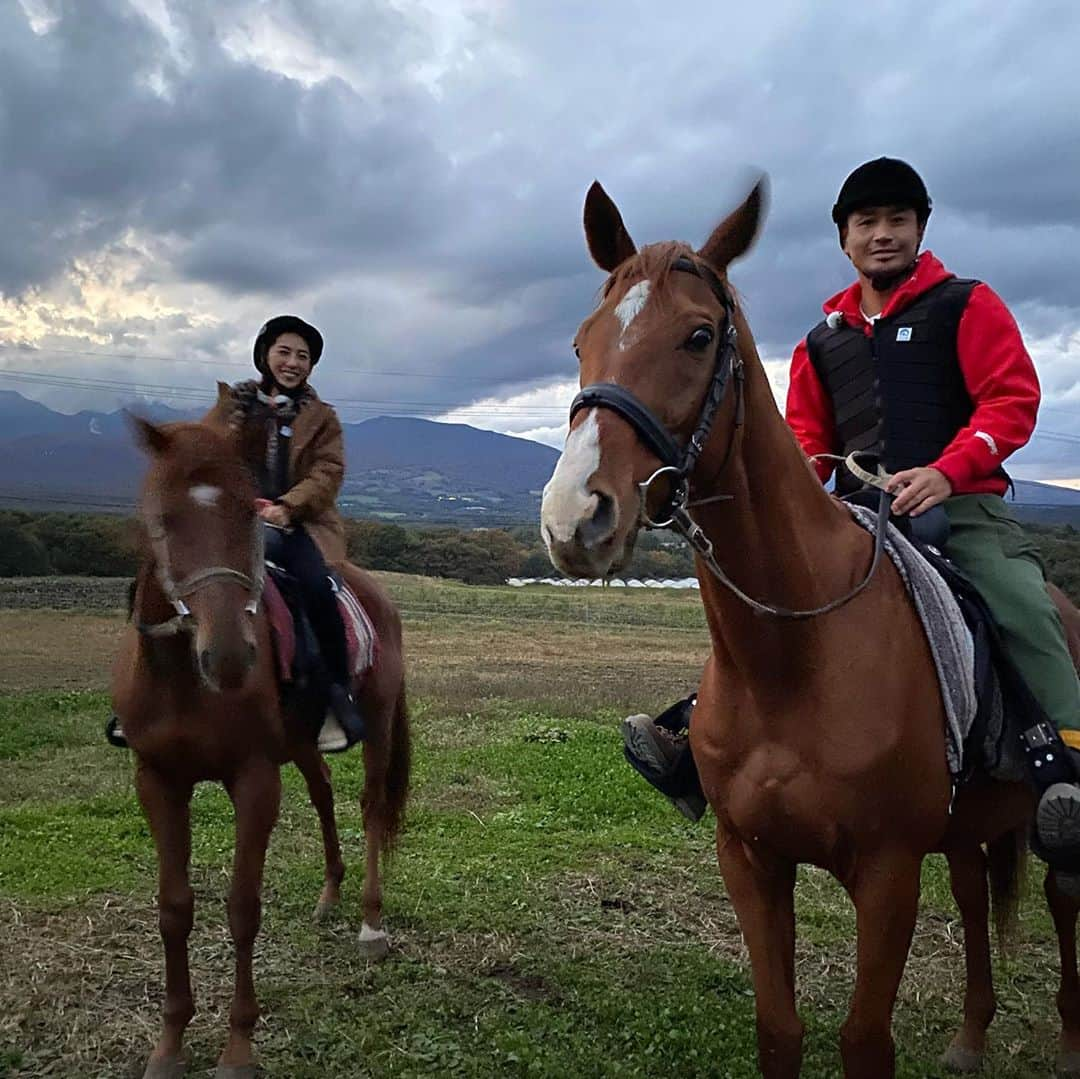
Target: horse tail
x: 387, y: 788
x: 1006, y: 861
x: 397, y: 772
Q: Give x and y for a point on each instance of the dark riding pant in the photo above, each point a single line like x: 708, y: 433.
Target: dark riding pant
x: 295, y: 551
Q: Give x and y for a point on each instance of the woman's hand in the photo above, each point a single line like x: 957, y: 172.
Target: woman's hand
x: 275, y: 514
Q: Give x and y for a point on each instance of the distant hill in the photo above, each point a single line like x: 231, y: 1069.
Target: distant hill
x: 1045, y: 503
x: 396, y: 467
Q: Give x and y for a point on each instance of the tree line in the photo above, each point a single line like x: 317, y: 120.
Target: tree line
x: 76, y: 544
x: 50, y: 544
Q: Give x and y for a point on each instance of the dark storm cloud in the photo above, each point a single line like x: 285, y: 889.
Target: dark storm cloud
x: 104, y: 130
x: 421, y: 192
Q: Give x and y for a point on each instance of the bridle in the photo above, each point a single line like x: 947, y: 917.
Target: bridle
x: 679, y: 462
x: 176, y: 592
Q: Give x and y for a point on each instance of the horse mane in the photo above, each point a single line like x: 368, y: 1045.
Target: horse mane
x: 652, y: 263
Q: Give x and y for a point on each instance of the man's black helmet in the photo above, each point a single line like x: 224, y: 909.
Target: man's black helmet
x: 885, y: 181
x: 273, y: 329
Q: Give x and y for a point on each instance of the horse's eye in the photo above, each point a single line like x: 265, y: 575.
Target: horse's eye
x: 577, y: 351
x: 700, y: 339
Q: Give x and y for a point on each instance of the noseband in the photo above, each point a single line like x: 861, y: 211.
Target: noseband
x: 679, y: 462
x: 178, y: 591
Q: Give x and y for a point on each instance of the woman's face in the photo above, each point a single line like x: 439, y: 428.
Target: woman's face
x: 289, y: 361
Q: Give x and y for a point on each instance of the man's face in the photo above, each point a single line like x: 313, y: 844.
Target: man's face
x: 881, y: 240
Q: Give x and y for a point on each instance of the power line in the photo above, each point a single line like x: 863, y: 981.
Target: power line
x: 142, y: 357
x: 371, y: 407
x: 189, y: 393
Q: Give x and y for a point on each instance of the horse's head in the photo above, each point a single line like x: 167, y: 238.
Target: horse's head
x: 657, y: 357
x: 198, y: 509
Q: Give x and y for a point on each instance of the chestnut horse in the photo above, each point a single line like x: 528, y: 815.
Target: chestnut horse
x: 819, y: 727
x: 195, y: 685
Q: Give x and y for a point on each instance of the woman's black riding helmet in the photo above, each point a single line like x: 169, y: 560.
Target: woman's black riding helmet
x: 273, y: 329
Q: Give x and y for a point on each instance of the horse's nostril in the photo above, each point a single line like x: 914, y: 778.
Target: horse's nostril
x: 204, y: 660
x: 601, y: 525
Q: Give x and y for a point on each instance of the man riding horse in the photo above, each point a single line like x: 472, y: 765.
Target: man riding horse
x: 929, y: 373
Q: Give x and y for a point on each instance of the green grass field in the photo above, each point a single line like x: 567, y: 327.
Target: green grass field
x: 550, y: 915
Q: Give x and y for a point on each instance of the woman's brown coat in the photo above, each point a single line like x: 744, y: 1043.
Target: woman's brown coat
x: 316, y: 469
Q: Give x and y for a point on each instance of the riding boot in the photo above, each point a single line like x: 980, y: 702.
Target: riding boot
x: 659, y: 750
x: 1054, y: 767
x: 344, y: 725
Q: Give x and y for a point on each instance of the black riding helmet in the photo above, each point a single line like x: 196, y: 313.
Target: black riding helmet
x: 885, y: 181
x: 273, y: 329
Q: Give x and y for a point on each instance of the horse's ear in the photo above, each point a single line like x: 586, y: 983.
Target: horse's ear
x: 149, y: 436
x: 224, y: 391
x: 734, y: 235
x: 609, y: 242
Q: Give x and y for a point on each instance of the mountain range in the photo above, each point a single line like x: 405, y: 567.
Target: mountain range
x: 396, y: 468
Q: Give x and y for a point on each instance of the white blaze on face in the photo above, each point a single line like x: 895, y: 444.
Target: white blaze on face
x: 628, y: 309
x: 567, y: 500
x: 203, y: 494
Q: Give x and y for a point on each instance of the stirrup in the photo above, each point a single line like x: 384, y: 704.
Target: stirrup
x: 674, y: 776
x: 114, y: 733
x: 332, y: 737
x: 343, y: 726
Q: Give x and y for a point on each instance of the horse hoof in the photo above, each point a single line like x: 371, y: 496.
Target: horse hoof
x: 958, y: 1059
x: 373, y: 943
x: 165, y: 1068
x: 324, y: 911
x: 226, y: 1071
x: 1068, y: 1064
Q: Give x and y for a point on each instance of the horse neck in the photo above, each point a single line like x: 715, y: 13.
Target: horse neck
x: 779, y: 537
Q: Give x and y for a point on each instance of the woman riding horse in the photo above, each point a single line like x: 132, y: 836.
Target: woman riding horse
x: 293, y: 443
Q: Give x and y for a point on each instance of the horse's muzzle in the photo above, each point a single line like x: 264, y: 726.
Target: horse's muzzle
x: 226, y: 666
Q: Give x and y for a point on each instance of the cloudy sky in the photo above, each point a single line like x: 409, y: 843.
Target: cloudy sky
x: 409, y: 175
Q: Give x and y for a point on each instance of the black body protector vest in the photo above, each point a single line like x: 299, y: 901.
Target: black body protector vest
x: 898, y: 393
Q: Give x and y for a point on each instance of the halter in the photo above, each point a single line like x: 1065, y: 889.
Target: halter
x: 176, y: 592
x: 679, y: 462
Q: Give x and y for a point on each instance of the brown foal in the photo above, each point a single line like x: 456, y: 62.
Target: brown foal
x: 819, y: 739
x: 195, y: 685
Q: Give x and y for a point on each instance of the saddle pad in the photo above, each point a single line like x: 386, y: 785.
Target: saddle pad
x: 946, y: 631
x: 362, y: 642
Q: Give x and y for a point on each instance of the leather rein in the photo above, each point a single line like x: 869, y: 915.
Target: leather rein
x: 679, y: 462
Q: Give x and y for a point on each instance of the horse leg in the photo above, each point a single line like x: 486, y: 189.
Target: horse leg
x: 167, y: 809
x: 764, y: 901
x: 374, y: 942
x: 256, y: 796
x: 967, y: 877
x: 316, y: 773
x: 886, y: 895
x: 1063, y: 909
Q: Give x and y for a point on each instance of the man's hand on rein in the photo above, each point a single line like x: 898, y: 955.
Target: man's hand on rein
x: 917, y: 490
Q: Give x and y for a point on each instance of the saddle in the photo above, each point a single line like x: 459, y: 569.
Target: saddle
x: 295, y: 644
x: 1005, y: 704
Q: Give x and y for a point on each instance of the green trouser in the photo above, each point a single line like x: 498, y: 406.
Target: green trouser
x: 988, y: 545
